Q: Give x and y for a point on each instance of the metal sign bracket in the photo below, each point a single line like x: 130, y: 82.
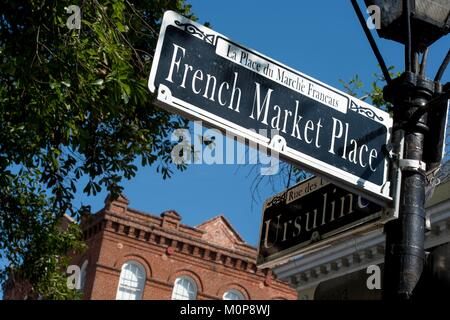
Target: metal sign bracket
x: 397, y: 164
x: 412, y: 165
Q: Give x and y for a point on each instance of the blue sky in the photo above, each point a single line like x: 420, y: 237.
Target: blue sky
x: 322, y: 39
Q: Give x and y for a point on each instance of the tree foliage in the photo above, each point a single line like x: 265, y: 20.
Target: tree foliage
x: 37, y: 245
x: 74, y: 104
x: 373, y: 93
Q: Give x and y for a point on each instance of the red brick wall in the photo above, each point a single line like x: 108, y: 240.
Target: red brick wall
x: 120, y: 237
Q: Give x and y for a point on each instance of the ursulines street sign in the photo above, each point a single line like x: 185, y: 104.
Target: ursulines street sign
x: 203, y: 75
x: 310, y: 215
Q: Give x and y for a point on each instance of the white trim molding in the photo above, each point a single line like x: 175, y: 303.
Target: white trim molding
x: 306, y: 271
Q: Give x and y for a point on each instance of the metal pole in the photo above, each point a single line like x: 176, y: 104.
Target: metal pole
x: 410, y: 94
x: 404, y: 255
x: 405, y: 237
x: 408, y: 44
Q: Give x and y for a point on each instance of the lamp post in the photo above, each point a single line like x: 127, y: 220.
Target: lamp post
x: 418, y: 101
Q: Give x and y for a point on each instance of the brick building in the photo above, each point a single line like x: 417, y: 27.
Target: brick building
x: 134, y: 255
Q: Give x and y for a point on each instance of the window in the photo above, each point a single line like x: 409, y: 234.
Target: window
x: 184, y: 289
x: 131, y: 282
x: 233, y: 295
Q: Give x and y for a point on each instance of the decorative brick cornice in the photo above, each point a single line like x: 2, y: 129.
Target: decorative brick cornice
x: 165, y: 235
x: 186, y: 245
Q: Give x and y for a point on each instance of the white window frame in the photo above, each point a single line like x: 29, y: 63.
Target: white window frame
x: 184, y: 288
x: 233, y: 293
x: 131, y: 281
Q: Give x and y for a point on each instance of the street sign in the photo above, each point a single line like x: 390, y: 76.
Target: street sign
x: 203, y: 75
x: 309, y: 216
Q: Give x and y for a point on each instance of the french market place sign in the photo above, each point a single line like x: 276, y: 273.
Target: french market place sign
x: 309, y: 216
x: 203, y: 75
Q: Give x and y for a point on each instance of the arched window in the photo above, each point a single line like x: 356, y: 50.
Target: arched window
x: 233, y: 295
x: 131, y: 282
x: 184, y: 289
